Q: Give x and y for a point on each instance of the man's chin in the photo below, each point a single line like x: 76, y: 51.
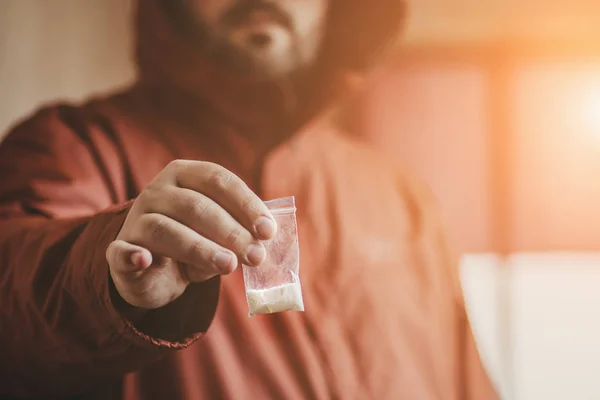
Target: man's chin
x: 260, y: 74
x: 261, y: 67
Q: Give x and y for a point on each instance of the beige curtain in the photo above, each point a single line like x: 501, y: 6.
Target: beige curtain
x: 60, y: 50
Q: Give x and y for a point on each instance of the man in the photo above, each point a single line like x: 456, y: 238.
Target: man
x: 237, y: 100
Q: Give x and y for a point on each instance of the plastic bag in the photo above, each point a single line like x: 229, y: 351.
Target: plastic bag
x: 274, y: 286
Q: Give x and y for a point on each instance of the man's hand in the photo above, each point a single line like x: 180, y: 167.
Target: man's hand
x: 194, y: 221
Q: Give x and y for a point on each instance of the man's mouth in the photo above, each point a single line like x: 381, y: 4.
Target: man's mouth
x: 256, y: 14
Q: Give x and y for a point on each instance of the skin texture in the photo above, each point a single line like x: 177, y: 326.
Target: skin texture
x: 194, y: 221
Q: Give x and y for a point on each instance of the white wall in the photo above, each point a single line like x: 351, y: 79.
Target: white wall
x: 60, y: 49
x: 483, y: 291
x: 486, y: 21
x: 537, y: 323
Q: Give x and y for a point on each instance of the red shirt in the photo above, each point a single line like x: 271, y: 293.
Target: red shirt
x: 385, y: 317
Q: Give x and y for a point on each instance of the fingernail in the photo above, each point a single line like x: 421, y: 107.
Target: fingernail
x: 223, y: 260
x: 265, y: 227
x: 256, y: 254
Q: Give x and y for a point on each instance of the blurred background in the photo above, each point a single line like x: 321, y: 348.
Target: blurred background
x: 494, y: 103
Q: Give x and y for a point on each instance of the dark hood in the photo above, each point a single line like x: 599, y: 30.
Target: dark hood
x: 361, y: 32
x: 358, y: 34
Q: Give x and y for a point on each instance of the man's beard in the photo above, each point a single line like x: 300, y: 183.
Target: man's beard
x: 246, y: 61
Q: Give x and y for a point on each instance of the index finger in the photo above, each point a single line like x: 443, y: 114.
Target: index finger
x: 230, y: 192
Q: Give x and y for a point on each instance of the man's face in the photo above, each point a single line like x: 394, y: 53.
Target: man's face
x: 262, y: 38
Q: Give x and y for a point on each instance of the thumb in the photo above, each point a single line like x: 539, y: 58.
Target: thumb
x: 125, y: 257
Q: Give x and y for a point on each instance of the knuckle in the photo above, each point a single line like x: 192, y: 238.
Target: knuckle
x: 145, y: 197
x: 221, y: 179
x: 198, y: 207
x: 197, y: 250
x: 249, y: 205
x: 176, y: 165
x: 173, y: 170
x: 157, y: 229
x: 233, y: 237
x: 152, y: 194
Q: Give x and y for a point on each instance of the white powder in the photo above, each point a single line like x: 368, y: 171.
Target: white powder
x: 276, y: 299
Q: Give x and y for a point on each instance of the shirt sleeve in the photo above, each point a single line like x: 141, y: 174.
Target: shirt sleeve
x: 63, y: 199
